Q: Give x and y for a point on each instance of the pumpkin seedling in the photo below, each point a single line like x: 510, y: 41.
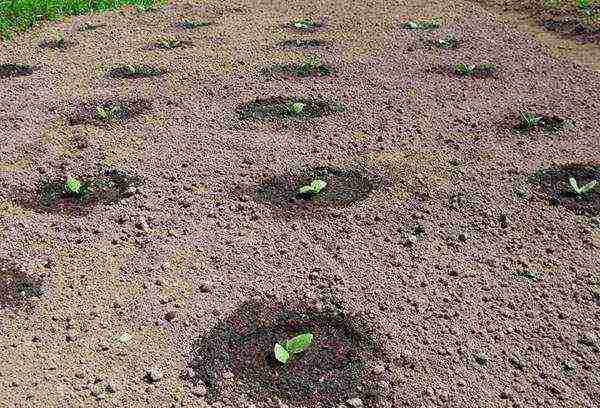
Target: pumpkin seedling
x: 75, y: 187
x: 108, y: 113
x: 315, y: 187
x: 168, y: 43
x: 422, y: 24
x: 295, y: 345
x: 449, y: 41
x: 296, y: 108
x: 481, y: 70
x: 304, y: 24
x: 585, y: 7
x: 568, y: 367
x: 14, y: 70
x: 582, y: 190
x: 191, y: 24
x: 528, y: 121
x: 58, y: 42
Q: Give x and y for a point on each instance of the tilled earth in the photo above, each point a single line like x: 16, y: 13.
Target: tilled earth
x: 448, y: 264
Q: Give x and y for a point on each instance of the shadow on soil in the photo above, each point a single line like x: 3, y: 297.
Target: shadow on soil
x: 102, y: 113
x: 330, y: 371
x: 104, y: 188
x: 555, y: 184
x: 16, y: 287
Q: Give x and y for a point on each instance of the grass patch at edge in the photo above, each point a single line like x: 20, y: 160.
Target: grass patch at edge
x: 17, y: 16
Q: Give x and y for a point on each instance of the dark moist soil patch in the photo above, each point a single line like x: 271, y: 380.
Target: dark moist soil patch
x: 102, y: 113
x: 300, y: 43
x: 16, y: 286
x: 574, y: 29
x: 60, y: 45
x: 104, y: 188
x: 135, y: 72
x: 344, y: 187
x: 330, y: 371
x: 547, y: 123
x: 15, y: 70
x: 554, y: 182
x: 300, y: 70
x: 281, y: 107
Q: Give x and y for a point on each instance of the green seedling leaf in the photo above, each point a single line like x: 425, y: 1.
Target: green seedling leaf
x: 315, y: 187
x: 73, y: 185
x: 297, y: 107
x: 299, y: 343
x: 583, y: 189
x: 281, y: 354
x: 464, y: 69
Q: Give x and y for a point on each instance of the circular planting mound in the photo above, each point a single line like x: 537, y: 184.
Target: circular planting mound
x: 135, y: 72
x: 16, y: 286
x: 79, y: 195
x: 108, y: 111
x: 15, y: 70
x: 287, y: 107
x: 339, y: 187
x: 327, y: 372
x: 561, y: 184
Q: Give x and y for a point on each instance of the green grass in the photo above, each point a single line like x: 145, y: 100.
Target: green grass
x: 20, y: 15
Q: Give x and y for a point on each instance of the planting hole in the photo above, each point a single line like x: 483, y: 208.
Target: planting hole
x: 329, y: 371
x: 287, y: 107
x: 15, y: 70
x: 135, y: 72
x: 108, y: 111
x: 574, y: 186
x: 16, y: 286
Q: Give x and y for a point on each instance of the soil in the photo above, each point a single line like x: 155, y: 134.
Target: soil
x: 301, y: 43
x: 478, y: 285
x: 56, y: 44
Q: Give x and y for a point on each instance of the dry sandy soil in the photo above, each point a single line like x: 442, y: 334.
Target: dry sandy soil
x: 446, y: 264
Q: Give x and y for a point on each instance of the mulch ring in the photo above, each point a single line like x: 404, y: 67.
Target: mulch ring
x: 105, y: 188
x: 16, y: 286
x: 135, y: 72
x: 344, y: 187
x: 554, y: 183
x: 287, y: 107
x: 573, y: 28
x: 15, y: 70
x: 301, y: 43
x: 331, y: 370
x: 104, y: 112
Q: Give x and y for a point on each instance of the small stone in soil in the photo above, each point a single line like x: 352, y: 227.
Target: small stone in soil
x: 355, y: 403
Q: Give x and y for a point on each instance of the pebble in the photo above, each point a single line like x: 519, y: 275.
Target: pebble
x: 355, y: 403
x: 378, y: 370
x: 154, y: 375
x: 199, y: 391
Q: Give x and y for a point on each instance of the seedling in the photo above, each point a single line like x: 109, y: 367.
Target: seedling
x: 58, y: 42
x: 312, y: 66
x: 315, y: 187
x: 26, y: 288
x: 135, y: 71
x: 75, y: 187
x: 297, y: 108
x: 448, y: 41
x: 568, y: 367
x: 108, y: 113
x: 295, y: 345
x: 529, y: 120
x: 13, y: 70
x: 191, y: 24
x: 168, y: 43
x: 582, y: 190
x: 422, y: 24
x: 585, y: 7
x: 89, y: 26
x: 482, y: 359
x: 305, y: 24
x: 529, y: 275
x: 481, y: 70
